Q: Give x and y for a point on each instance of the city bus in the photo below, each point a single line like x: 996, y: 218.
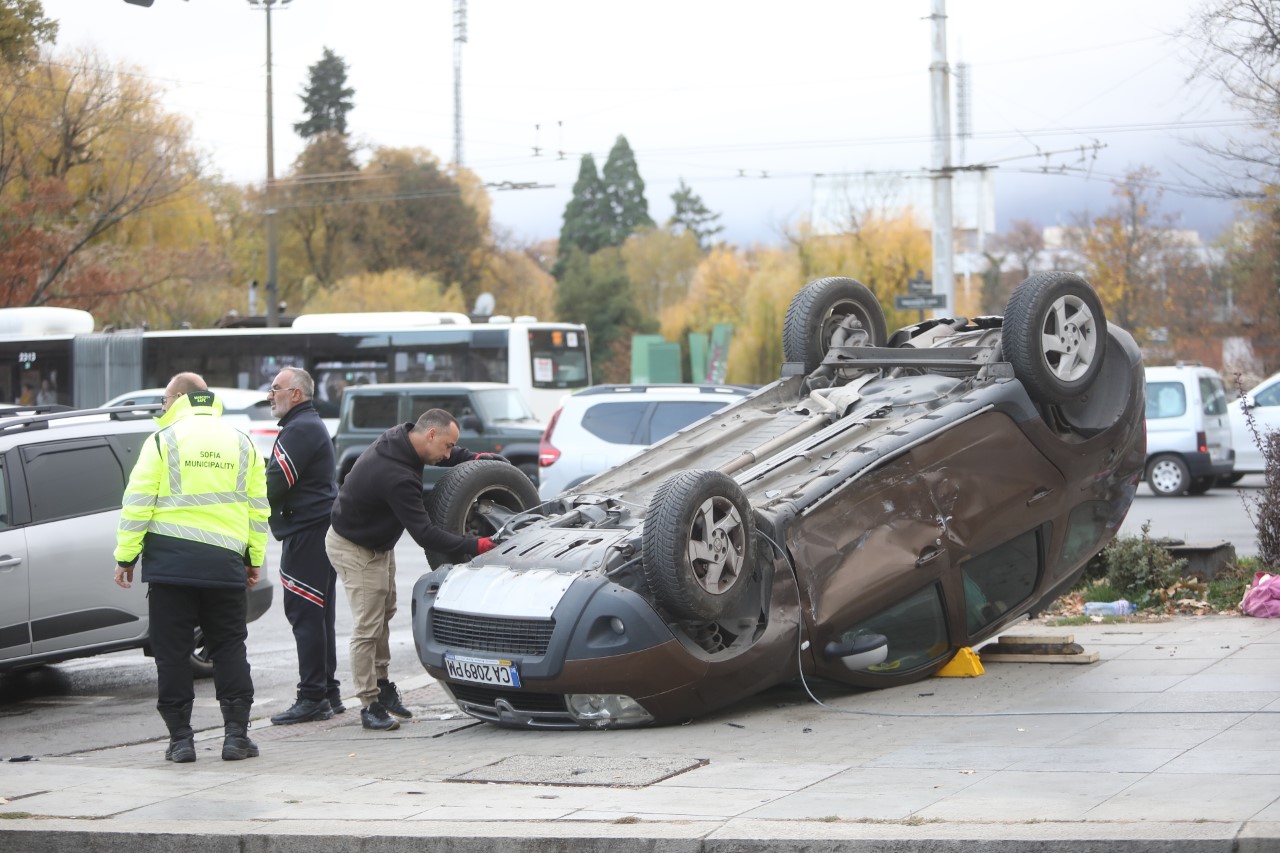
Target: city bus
x: 53, y: 355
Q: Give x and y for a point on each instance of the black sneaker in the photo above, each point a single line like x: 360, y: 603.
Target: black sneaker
x: 376, y: 717
x: 304, y: 711
x: 389, y: 697
x: 335, y: 704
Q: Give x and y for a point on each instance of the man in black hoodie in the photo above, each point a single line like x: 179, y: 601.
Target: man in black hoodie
x: 301, y: 489
x: 379, y: 500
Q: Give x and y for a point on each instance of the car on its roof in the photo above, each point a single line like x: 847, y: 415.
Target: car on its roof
x: 248, y: 409
x: 599, y: 427
x: 887, y: 502
x: 62, y: 479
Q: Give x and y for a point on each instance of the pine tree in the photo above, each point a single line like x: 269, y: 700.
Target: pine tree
x: 693, y: 216
x: 586, y: 221
x: 624, y: 190
x: 327, y: 99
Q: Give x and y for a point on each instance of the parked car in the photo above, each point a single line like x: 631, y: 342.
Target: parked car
x: 887, y: 502
x: 598, y: 427
x: 1189, y: 444
x: 249, y: 409
x: 62, y: 477
x: 492, y: 417
x: 1262, y: 402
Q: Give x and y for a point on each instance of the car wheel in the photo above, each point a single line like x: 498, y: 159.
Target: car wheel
x: 1055, y: 335
x: 1200, y: 485
x: 475, y: 499
x: 698, y: 533
x: 1168, y: 476
x: 201, y: 663
x: 817, y: 311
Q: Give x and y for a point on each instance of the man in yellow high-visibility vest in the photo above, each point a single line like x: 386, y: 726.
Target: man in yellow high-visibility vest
x: 195, y: 510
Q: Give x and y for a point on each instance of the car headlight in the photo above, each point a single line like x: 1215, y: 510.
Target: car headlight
x: 606, y: 709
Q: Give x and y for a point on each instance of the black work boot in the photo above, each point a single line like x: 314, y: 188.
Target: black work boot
x: 304, y: 711
x: 376, y: 717
x: 389, y: 697
x: 182, y: 743
x: 335, y: 703
x: 235, y: 742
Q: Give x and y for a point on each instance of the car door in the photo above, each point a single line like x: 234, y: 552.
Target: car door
x: 75, y: 489
x: 1264, y: 406
x: 1217, y: 424
x: 15, y: 609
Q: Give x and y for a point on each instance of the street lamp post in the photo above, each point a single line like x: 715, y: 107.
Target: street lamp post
x: 273, y: 290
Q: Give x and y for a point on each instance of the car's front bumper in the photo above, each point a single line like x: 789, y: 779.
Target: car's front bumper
x: 565, y: 634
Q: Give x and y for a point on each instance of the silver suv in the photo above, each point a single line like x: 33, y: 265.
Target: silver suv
x: 62, y: 475
x: 599, y: 427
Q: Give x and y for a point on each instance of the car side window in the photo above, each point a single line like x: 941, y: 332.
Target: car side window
x: 1269, y: 396
x: 67, y: 479
x: 455, y: 404
x: 916, y: 629
x: 614, y: 422
x: 1166, y: 400
x: 4, y: 498
x: 375, y: 411
x: 1213, y: 395
x: 676, y: 415
x: 1000, y: 579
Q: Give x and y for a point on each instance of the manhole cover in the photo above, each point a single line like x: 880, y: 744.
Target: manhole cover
x: 629, y: 772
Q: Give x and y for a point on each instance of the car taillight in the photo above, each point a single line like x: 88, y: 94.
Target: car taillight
x: 1202, y: 442
x: 547, y: 453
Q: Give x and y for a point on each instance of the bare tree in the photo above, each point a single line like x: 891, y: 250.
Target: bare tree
x: 1237, y: 45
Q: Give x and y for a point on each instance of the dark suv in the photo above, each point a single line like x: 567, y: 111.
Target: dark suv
x: 492, y: 417
x: 62, y: 476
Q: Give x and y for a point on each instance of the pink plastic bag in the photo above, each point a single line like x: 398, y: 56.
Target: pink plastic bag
x: 1263, y: 597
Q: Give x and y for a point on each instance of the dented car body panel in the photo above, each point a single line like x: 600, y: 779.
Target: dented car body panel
x: 882, y: 505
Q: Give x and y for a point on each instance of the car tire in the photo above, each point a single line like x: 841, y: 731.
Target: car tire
x: 530, y: 470
x: 201, y: 663
x: 456, y: 502
x: 817, y: 310
x: 698, y: 536
x: 1200, y: 485
x: 1167, y: 476
x: 1055, y: 336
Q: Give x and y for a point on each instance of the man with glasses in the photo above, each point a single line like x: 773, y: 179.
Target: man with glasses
x: 301, y: 489
x: 195, y: 511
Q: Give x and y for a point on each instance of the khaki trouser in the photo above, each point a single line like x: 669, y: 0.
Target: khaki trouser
x: 370, y: 580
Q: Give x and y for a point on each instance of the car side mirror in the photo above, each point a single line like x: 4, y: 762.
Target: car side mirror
x: 1246, y: 402
x: 472, y: 423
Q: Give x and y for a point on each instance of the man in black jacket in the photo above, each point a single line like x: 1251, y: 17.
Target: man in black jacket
x: 381, y: 498
x: 301, y: 489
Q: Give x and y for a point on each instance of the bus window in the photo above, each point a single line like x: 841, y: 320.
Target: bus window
x: 559, y: 358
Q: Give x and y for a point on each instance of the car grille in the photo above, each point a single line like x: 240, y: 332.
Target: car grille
x: 534, y: 710
x: 491, y: 633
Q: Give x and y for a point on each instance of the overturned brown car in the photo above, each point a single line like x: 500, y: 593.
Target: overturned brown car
x: 888, y: 501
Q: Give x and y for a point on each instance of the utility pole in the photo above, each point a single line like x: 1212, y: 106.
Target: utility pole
x: 459, y: 39
x: 273, y: 262
x: 944, y: 281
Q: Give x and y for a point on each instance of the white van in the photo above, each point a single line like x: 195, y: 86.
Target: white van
x: 1188, y: 432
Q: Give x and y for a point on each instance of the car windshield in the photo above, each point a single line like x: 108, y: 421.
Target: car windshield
x: 503, y: 404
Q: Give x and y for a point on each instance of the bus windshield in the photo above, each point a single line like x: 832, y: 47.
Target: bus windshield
x: 559, y: 358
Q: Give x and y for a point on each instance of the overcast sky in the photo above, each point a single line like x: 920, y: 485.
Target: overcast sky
x: 746, y: 100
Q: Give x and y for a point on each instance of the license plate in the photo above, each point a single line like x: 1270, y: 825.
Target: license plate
x: 499, y: 673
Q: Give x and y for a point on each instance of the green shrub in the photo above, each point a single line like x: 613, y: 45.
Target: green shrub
x: 1140, y: 569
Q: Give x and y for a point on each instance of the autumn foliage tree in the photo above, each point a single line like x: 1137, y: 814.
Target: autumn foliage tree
x: 87, y: 150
